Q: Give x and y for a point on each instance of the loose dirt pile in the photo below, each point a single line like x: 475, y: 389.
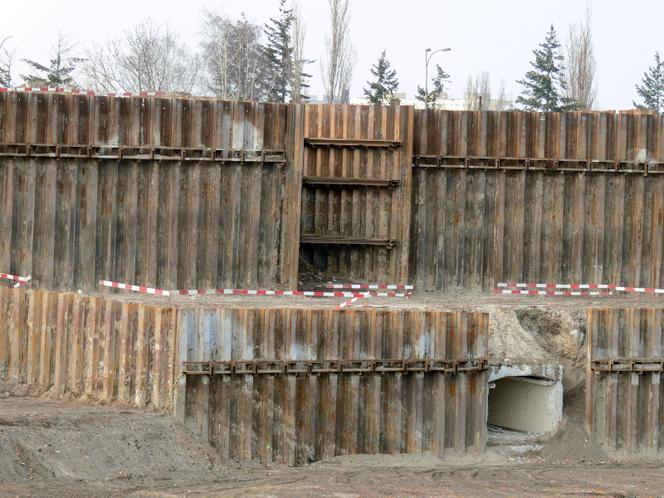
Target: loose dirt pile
x: 571, y: 443
x: 539, y: 335
x: 69, y: 443
x: 63, y: 449
x: 563, y: 335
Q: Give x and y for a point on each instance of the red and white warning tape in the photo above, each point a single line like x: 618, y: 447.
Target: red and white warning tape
x: 246, y: 292
x: 350, y: 302
x: 16, y: 278
x: 331, y: 285
x: 136, y: 288
x: 553, y: 293
x: 77, y: 91
x: 287, y: 293
x: 574, y: 287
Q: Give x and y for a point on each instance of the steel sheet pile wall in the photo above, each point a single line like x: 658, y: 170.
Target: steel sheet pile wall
x: 366, y: 150
x: 166, y: 192
x: 624, y: 397
x: 296, y: 415
x: 517, y: 196
x: 75, y: 346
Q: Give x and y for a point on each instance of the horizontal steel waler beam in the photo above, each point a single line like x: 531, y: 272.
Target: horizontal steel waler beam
x: 616, y: 365
x: 351, y: 143
x: 348, y: 241
x: 149, y: 153
x: 538, y: 164
x: 334, y: 181
x: 313, y: 367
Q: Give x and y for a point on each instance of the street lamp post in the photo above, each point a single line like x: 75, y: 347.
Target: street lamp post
x: 428, y: 54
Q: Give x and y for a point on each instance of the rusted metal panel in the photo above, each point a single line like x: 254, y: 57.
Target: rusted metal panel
x: 537, y: 197
x: 474, y: 228
x: 73, y: 345
x: 623, y: 387
x: 357, y: 145
x: 585, y: 141
x: 164, y: 191
x: 296, y: 385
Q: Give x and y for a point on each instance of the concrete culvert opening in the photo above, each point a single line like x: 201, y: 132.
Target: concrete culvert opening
x: 525, y: 404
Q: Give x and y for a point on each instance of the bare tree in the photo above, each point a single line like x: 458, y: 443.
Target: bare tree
x: 299, y: 78
x: 147, y: 57
x: 478, y: 92
x: 502, y: 102
x: 337, y: 64
x: 580, y: 72
x: 233, y: 57
x: 6, y: 63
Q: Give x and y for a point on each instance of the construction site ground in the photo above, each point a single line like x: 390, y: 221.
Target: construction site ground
x: 451, y: 300
x: 52, y: 448
x: 55, y: 448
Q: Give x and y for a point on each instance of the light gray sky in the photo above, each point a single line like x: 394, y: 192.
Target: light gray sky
x: 493, y: 35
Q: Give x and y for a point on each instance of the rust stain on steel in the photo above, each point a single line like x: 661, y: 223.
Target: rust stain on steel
x: 84, y: 346
x: 624, y: 373
x: 324, y: 383
x: 132, y: 155
x: 356, y: 145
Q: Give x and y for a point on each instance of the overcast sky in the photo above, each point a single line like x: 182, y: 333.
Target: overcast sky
x: 493, y: 35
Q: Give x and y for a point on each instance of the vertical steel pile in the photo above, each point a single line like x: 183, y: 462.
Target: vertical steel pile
x: 96, y: 348
x: 624, y: 400
x: 295, y: 385
x: 537, y: 197
x: 169, y: 192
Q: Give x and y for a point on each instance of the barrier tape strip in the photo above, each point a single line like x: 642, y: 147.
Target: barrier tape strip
x: 554, y: 293
x: 136, y: 288
x: 247, y: 292
x: 20, y: 281
x: 331, y: 285
x: 286, y: 293
x: 609, y: 287
x: 17, y: 278
x: 349, y: 303
x: 78, y: 91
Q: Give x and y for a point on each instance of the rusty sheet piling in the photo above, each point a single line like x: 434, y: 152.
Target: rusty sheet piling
x: 624, y: 401
x: 295, y: 386
x: 96, y: 348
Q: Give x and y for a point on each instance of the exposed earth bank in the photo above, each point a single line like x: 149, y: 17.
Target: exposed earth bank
x: 64, y: 449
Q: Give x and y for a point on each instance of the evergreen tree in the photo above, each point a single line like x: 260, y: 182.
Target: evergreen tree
x: 652, y: 88
x: 381, y: 90
x: 544, y: 86
x: 59, y: 71
x: 278, y: 53
x: 437, y: 89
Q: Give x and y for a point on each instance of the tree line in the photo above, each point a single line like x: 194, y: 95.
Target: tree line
x: 560, y: 79
x: 236, y: 59
x: 240, y: 59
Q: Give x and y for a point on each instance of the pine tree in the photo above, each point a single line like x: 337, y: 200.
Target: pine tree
x: 544, y: 86
x: 437, y: 89
x: 381, y: 90
x: 59, y: 71
x: 652, y: 88
x: 278, y: 54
